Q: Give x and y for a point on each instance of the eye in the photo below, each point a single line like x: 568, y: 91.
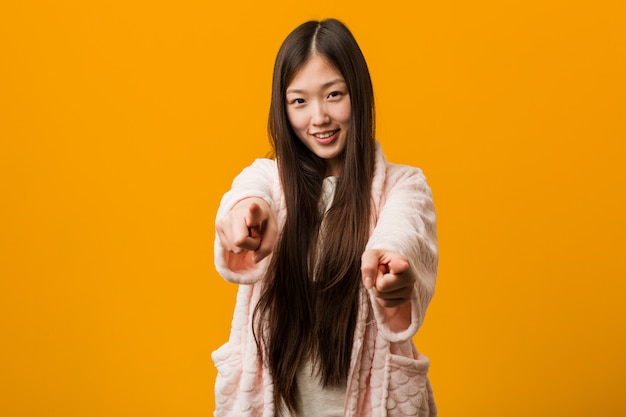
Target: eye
x: 336, y: 95
x: 296, y: 101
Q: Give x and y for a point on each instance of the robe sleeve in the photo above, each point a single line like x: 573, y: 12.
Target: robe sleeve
x: 257, y: 180
x: 407, y: 225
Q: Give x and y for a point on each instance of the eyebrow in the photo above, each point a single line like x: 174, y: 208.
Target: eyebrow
x: 324, y: 86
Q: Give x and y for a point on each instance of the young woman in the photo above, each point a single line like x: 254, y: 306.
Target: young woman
x: 334, y: 248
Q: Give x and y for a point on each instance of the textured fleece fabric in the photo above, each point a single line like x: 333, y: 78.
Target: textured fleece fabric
x: 388, y: 376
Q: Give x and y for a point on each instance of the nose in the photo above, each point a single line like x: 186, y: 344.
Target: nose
x: 320, y: 115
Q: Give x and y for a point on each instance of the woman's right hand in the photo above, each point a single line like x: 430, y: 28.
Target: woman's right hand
x: 249, y: 226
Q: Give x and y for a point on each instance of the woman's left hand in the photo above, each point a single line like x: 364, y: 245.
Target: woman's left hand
x: 389, y: 277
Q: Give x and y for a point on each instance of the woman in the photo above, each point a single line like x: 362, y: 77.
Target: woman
x: 335, y: 249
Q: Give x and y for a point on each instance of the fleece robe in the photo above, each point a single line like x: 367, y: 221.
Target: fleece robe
x: 388, y: 376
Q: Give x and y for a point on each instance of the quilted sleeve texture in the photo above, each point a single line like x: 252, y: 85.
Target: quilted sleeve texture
x: 258, y: 180
x: 398, y: 384
x: 407, y: 390
x: 407, y: 225
x: 243, y: 388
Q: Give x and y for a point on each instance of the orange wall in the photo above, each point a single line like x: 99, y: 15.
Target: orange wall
x: 122, y: 123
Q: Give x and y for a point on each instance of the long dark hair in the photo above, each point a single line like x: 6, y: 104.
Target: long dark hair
x: 298, y: 317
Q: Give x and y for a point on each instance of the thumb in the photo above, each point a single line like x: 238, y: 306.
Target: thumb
x: 254, y: 220
x: 369, y: 267
x: 397, y: 264
x: 267, y: 241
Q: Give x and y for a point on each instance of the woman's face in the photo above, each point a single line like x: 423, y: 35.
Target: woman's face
x: 318, y: 107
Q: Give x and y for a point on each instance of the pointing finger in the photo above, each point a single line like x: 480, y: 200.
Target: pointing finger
x: 370, y: 261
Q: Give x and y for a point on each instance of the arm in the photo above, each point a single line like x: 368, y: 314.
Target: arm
x: 400, y: 262
x: 246, y: 224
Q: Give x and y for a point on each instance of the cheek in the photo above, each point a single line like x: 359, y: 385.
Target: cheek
x: 344, y: 113
x: 297, y: 120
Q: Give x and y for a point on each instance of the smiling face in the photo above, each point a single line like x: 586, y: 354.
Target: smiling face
x: 318, y: 107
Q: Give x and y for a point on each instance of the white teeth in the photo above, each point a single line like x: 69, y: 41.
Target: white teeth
x: 325, y: 135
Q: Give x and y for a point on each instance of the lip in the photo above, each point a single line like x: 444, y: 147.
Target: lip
x: 329, y: 139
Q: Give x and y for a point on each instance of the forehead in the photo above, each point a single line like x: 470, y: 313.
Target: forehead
x: 316, y: 72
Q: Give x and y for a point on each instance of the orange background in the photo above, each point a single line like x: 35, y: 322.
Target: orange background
x: 122, y: 123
